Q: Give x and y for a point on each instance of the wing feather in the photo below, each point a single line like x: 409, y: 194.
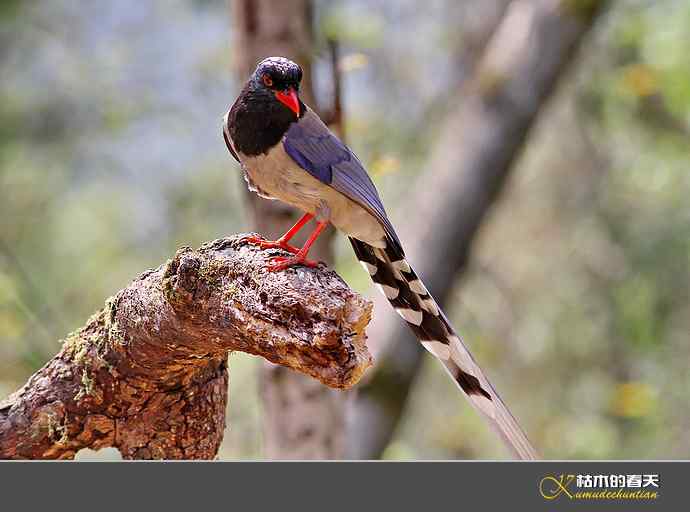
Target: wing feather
x: 318, y: 151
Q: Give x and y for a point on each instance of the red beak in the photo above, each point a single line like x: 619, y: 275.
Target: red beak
x: 289, y: 99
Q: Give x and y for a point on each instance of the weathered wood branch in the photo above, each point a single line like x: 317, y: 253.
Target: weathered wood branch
x: 147, y: 374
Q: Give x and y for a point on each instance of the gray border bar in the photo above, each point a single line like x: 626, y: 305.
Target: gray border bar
x: 323, y: 486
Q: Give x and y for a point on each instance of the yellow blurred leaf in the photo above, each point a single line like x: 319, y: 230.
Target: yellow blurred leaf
x: 641, y: 80
x: 10, y: 325
x: 353, y: 61
x: 6, y: 288
x: 633, y: 400
x: 386, y: 164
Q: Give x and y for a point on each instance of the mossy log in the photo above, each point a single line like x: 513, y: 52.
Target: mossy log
x: 148, y: 373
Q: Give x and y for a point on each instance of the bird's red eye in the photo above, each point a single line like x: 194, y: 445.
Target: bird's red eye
x: 268, y: 81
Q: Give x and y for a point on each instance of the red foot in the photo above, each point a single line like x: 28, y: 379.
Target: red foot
x: 267, y: 244
x: 278, y: 263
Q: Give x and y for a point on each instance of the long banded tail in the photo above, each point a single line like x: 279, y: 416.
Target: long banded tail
x: 407, y: 294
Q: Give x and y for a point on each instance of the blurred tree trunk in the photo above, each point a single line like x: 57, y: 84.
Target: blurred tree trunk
x: 476, y: 148
x: 302, y: 419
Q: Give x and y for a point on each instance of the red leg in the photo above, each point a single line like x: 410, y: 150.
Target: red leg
x: 282, y: 242
x: 300, y: 258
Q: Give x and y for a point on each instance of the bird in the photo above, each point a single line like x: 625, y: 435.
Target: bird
x: 287, y: 153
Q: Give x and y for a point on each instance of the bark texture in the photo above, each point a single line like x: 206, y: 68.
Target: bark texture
x: 477, y: 146
x: 148, y: 375
x: 301, y: 420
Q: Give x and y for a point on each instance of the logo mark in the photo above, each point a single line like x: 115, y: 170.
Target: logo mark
x: 551, y: 487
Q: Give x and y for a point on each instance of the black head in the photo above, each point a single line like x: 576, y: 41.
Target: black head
x: 278, y: 74
x: 282, y: 77
x: 267, y: 106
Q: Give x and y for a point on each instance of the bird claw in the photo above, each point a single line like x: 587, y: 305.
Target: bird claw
x: 262, y: 243
x: 278, y: 263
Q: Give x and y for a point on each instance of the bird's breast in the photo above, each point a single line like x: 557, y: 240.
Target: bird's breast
x: 275, y: 175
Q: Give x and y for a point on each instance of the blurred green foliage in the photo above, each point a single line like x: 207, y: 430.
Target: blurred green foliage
x: 577, y: 300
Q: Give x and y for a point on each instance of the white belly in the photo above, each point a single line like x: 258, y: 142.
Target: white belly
x: 276, y: 176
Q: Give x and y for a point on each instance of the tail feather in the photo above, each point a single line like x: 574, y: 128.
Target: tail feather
x: 407, y: 294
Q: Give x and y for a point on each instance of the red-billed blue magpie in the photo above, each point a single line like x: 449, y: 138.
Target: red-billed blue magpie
x: 286, y: 152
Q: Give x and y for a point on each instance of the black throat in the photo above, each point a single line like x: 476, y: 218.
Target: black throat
x: 258, y: 121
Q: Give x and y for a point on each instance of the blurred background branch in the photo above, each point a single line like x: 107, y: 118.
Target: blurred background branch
x: 470, y: 161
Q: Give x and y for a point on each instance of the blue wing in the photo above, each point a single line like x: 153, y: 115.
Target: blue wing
x: 318, y: 151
